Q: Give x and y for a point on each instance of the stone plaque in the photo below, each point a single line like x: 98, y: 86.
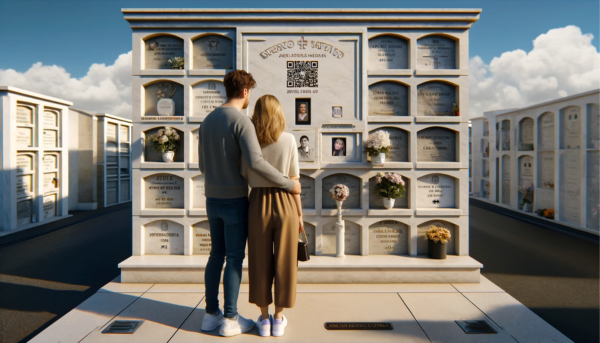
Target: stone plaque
x: 388, y: 99
x: 485, y: 189
x: 436, y: 144
x: 570, y: 187
x: 49, y: 162
x: 163, y: 90
x: 525, y: 177
x: 124, y: 133
x: 24, y: 212
x: 24, y: 164
x: 436, y: 191
x: 351, y: 238
x: 49, y: 206
x: 486, y: 128
x: 158, y: 51
x: 506, y: 180
x: 571, y: 127
x: 50, y: 119
x: 505, y: 135
x: 163, y: 237
x: 436, y: 99
x: 546, y: 131
x: 309, y: 229
x: 388, y: 52
x: 111, y: 188
x: 341, y: 147
x: 208, y: 95
x: 24, y: 115
x: 546, y: 170
x: 111, y: 132
x: 352, y: 182
x: 388, y: 237
x: 151, y: 155
x: 526, y: 142
x: 49, y: 139
x: 376, y: 202
x: 593, y: 190
x: 593, y: 126
x: 194, y: 148
x: 399, y: 149
x: 163, y: 191
x: 24, y: 137
x: 198, y: 192
x: 486, y: 168
x: 24, y: 183
x: 422, y: 244
x: 50, y: 182
x: 308, y: 192
x: 213, y: 52
x: 201, y: 238
x: 306, y: 142
x: 125, y: 190
x: 124, y: 148
x: 436, y: 52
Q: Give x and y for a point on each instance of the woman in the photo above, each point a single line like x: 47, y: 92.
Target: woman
x: 274, y: 220
x: 339, y: 147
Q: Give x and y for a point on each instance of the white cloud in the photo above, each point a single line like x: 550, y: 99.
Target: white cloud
x: 562, y: 62
x: 104, y: 89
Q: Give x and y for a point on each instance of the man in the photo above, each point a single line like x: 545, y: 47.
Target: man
x: 224, y: 137
x: 302, y: 115
x: 303, y: 150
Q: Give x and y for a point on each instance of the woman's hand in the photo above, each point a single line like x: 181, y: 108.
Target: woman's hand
x: 301, y: 225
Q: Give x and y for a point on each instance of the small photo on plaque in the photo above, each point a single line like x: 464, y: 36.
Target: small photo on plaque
x: 339, y: 146
x: 302, y: 111
x: 336, y: 111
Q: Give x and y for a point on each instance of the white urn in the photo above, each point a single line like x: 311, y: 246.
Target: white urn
x: 165, y: 107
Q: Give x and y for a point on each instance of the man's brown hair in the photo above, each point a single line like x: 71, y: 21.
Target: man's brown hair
x: 236, y: 81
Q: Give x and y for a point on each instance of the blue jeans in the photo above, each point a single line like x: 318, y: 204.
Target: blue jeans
x: 228, y: 220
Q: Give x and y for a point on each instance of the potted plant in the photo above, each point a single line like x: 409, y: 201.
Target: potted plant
x: 166, y: 140
x: 389, y: 186
x: 165, y: 105
x: 527, y: 190
x: 546, y: 213
x: 437, y: 237
x: 378, y: 144
x: 176, y: 62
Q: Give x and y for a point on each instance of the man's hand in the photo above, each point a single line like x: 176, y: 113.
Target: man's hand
x: 297, y: 188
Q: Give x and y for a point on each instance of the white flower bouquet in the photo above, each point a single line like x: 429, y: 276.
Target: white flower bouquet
x: 378, y: 142
x: 390, y: 185
x: 339, y: 192
x: 166, y: 139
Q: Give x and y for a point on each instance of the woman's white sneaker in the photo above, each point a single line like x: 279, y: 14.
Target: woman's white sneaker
x: 235, y: 326
x: 264, y: 326
x: 212, y: 321
x: 279, y: 326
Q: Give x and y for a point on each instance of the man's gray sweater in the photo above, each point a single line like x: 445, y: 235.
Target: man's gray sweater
x: 225, y: 135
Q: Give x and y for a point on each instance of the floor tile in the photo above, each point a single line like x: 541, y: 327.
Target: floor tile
x: 187, y: 288
x: 116, y: 286
x: 375, y: 288
x: 485, y: 286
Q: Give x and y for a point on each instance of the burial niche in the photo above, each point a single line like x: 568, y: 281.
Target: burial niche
x: 570, y: 187
x: 399, y: 150
x: 436, y: 144
x: 163, y: 98
x: 163, y: 237
x: 505, y: 135
x: 307, y: 196
x: 526, y: 134
x: 436, y: 191
x: 388, y: 99
x: 24, y: 163
x: 485, y: 148
x: 199, y: 200
x: 546, y: 170
x: 485, y: 189
x: 388, y: 237
x: 151, y: 155
x: 593, y: 190
x: 526, y: 188
x: 24, y: 211
x: 163, y: 191
x: 201, y: 238
x: 376, y: 202
x: 506, y: 180
x: 388, y: 52
x: 208, y: 95
x: 570, y: 128
x: 352, y: 182
x: 486, y: 168
x: 160, y: 49
x: 436, y: 99
x: 546, y: 132
x: 436, y: 52
x: 213, y: 52
x: 593, y: 126
x: 351, y: 238
x: 422, y: 244
x: 309, y: 229
x: 49, y: 207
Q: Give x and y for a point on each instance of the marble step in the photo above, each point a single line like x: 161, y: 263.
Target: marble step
x: 320, y: 269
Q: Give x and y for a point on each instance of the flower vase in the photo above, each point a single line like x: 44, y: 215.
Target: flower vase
x: 388, y: 203
x: 165, y: 107
x: 340, y: 231
x: 527, y: 207
x: 436, y: 250
x: 168, y: 156
x: 378, y: 160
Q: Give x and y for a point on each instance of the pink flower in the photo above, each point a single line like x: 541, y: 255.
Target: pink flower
x: 164, y: 138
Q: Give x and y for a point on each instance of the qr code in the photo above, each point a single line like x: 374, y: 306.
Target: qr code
x: 302, y: 74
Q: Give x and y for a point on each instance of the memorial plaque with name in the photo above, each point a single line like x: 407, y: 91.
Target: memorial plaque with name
x: 388, y: 52
x: 163, y: 90
x: 376, y: 202
x: 151, y: 155
x: 111, y: 188
x: 111, y: 132
x: 505, y: 135
x: 24, y: 115
x: 436, y: 144
x: 546, y: 170
x: 164, y: 191
x: 24, y: 163
x: 124, y: 133
x: 436, y: 52
x: 164, y: 237
x: 352, y: 182
x: 308, y: 192
x: 158, y: 51
x: 422, y: 244
x: 208, y: 96
x: 593, y: 125
x: 436, y: 99
x: 546, y: 129
x: 351, y: 238
x: 593, y: 190
x: 50, y: 119
x: 24, y: 212
x: 24, y: 183
x: 399, y: 150
x: 49, y: 162
x: 388, y: 237
x: 49, y: 206
x: 50, y: 182
x: 213, y: 52
x: 201, y: 238
x: 388, y: 99
x: 506, y: 180
x: 24, y: 137
x: 571, y: 127
x: 526, y: 135
x: 436, y: 191
x: 570, y: 187
x: 49, y: 139
x: 198, y: 193
x: 125, y: 190
x: 309, y: 229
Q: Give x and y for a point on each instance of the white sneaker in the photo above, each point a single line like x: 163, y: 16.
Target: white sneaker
x: 212, y: 321
x: 235, y: 326
x: 264, y: 326
x: 279, y: 326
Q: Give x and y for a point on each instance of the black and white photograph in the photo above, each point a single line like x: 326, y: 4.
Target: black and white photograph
x: 306, y: 142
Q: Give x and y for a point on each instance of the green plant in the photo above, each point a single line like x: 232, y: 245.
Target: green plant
x: 176, y: 62
x: 389, y: 185
x: 166, y: 139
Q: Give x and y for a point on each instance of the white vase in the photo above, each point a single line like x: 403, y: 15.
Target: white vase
x: 388, y: 203
x: 378, y: 160
x: 165, y: 107
x: 168, y: 156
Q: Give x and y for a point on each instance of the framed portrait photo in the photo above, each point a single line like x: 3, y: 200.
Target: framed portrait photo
x: 306, y: 143
x: 303, y: 112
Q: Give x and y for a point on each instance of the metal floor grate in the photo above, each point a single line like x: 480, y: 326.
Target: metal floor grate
x: 476, y: 326
x: 123, y: 326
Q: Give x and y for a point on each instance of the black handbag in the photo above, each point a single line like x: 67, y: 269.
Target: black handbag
x: 303, y: 254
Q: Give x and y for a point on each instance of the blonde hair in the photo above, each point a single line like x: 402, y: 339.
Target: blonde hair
x: 268, y: 119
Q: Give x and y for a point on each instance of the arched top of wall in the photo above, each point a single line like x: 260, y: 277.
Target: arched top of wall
x: 210, y: 34
x: 438, y: 80
x: 439, y: 34
x: 159, y: 34
x: 390, y: 81
x: 160, y: 80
